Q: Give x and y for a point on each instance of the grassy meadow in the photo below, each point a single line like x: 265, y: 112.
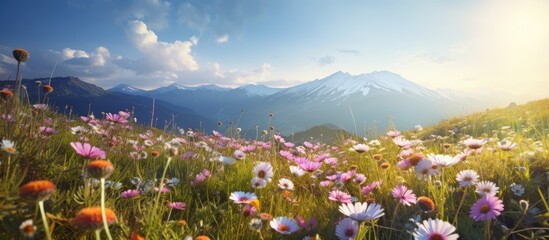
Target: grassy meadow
x: 189, y: 184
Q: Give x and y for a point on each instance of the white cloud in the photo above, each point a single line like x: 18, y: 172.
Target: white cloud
x: 424, y: 55
x: 222, y: 39
x: 154, y: 12
x: 159, y: 58
x: 220, y: 17
x: 6, y: 59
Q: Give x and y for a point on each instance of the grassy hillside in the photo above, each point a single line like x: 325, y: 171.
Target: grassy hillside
x: 200, y: 176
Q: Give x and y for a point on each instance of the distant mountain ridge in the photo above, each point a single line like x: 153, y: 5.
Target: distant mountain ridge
x: 354, y: 103
x: 83, y: 97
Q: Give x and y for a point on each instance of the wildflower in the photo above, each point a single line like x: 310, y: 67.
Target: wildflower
x: 264, y: 170
x: 37, y: 190
x: 486, y: 208
x: 370, y: 187
x: 255, y: 203
x: 347, y: 229
x: 467, y: 178
x: 435, y: 229
x: 130, y: 193
x: 21, y: 55
x: 486, y: 188
x: 384, y: 165
x: 297, y: 171
x: 27, y: 228
x: 377, y: 156
x: 360, y: 148
x: 442, y: 160
x: 362, y: 211
x: 360, y: 178
x: 474, y: 143
x: 404, y: 195
x: 425, y: 169
x: 78, y: 129
x: 415, y: 158
x: 425, y: 203
x: 310, y: 166
x: 87, y: 151
x: 258, y: 182
x: 255, y: 224
x: 239, y: 154
x: 249, y: 210
x: 6, y: 93
x: 507, y: 146
x: 339, y: 196
x: 226, y: 160
x: 90, y: 218
x: 177, y: 205
x: 47, y: 130
x: 265, y: 217
x: 284, y: 225
x: 202, y: 237
x: 136, y: 236
x: 285, y: 184
x: 47, y: 88
x: 402, y: 142
x: 393, y: 133
x: 242, y: 197
x: 121, y: 117
x: 517, y: 189
x: 99, y: 169
x: 8, y: 147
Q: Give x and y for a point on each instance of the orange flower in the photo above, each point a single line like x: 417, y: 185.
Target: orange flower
x: 202, y: 237
x: 414, y: 159
x: 90, y: 218
x: 47, y: 88
x: 37, y: 190
x: 446, y: 145
x: 385, y: 165
x: 371, y: 200
x: 377, y: 156
x: 425, y: 203
x: 99, y: 169
x: 255, y: 203
x: 6, y: 93
x: 265, y: 216
x: 354, y: 167
x: 182, y: 222
x: 20, y: 55
x: 135, y: 236
x: 155, y: 153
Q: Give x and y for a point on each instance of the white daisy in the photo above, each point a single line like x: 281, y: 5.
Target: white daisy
x: 8, y: 147
x: 242, y: 197
x: 298, y: 172
x: 486, y: 188
x: 435, y: 229
x: 284, y: 225
x: 362, y: 211
x: 467, y: 178
x: 285, y: 184
x: 347, y: 229
x: 264, y: 170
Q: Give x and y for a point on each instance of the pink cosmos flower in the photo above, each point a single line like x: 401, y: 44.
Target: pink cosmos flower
x: 130, y: 193
x: 310, y: 166
x: 339, y: 196
x: 118, y: 118
x: 404, y: 195
x: 88, y: 151
x: 177, y: 205
x: 486, y: 208
x: 370, y: 187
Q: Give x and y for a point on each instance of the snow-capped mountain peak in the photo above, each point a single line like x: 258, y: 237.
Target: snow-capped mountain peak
x: 341, y: 85
x: 127, y: 89
x: 258, y: 90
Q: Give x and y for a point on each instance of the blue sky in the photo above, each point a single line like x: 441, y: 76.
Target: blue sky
x: 500, y: 45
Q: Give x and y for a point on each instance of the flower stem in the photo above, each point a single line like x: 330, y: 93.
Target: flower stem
x: 487, y: 231
x: 44, y: 220
x: 454, y: 222
x: 160, y: 187
x: 98, y: 234
x: 8, y: 169
x: 103, y: 214
x: 393, y: 219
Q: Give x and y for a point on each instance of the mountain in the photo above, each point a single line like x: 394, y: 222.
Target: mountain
x: 127, y: 89
x: 258, y: 90
x: 85, y: 97
x: 326, y: 133
x: 356, y: 103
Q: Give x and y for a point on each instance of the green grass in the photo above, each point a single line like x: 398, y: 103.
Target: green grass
x: 209, y: 211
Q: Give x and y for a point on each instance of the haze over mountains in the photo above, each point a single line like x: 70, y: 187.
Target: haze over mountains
x: 356, y: 103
